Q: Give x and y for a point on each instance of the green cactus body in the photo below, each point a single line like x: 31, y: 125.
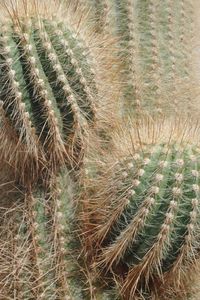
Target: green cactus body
x: 42, y: 281
x: 48, y: 92
x: 147, y: 230
x: 23, y: 289
x: 11, y: 86
x: 39, y: 247
x: 15, y: 248
x: 53, y: 73
x: 71, y: 280
x: 49, y: 267
x: 61, y: 215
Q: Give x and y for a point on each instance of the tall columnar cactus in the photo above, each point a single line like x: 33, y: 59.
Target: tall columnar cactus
x: 142, y: 215
x: 49, y: 89
x: 156, y: 43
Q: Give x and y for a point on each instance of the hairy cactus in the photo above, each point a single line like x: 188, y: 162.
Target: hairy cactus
x: 37, y: 244
x: 99, y: 10
x: 134, y: 234
x: 45, y: 94
x: 40, y: 247
x: 143, y: 215
x: 155, y: 43
x: 49, y: 88
x: 54, y: 79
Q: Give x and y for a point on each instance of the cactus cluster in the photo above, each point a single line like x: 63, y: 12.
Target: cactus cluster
x: 88, y: 213
x: 50, y: 102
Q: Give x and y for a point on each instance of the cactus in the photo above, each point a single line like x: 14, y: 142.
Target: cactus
x: 54, y: 101
x: 142, y: 216
x: 137, y: 236
x: 100, y: 11
x: 40, y: 264
x: 49, y: 89
x: 156, y: 44
x: 54, y: 78
x: 40, y: 247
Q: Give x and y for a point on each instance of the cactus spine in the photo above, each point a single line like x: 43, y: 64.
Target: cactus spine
x: 141, y: 227
x: 39, y: 247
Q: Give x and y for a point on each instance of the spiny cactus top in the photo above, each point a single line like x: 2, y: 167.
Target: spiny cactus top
x: 49, y: 92
x: 145, y: 218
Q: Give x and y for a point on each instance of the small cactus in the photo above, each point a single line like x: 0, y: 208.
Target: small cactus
x: 143, y: 220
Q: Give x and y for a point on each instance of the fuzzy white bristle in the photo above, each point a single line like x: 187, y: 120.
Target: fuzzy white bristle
x: 155, y: 189
x: 195, y: 173
x: 180, y: 162
x: 135, y: 182
x: 124, y: 174
x: 141, y: 172
x: 178, y: 177
x: 176, y: 191
x: 159, y: 177
x: 195, y: 187
x: 147, y: 161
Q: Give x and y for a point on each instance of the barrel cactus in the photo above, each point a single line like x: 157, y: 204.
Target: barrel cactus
x: 134, y: 231
x: 49, y: 87
x: 142, y: 216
